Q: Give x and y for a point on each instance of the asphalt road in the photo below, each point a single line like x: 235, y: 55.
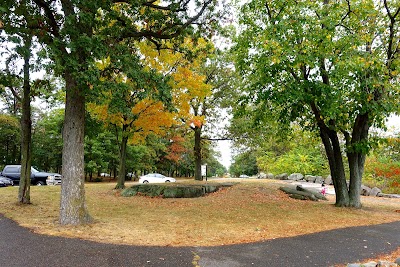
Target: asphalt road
x: 320, y: 249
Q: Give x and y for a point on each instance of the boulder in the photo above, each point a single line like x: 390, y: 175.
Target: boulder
x: 319, y: 180
x: 270, y: 176
x: 386, y: 264
x: 328, y: 180
x: 316, y: 193
x: 261, y: 175
x: 171, y: 190
x: 397, y: 261
x: 365, y: 190
x: 294, y: 193
x: 282, y: 176
x: 388, y: 195
x: 296, y: 176
x: 375, y: 191
x: 310, y: 178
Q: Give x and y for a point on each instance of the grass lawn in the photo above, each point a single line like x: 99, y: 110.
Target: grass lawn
x: 253, y: 210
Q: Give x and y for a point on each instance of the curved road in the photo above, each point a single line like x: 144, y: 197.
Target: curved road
x: 320, y: 249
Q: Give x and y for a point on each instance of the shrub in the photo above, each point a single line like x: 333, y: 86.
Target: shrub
x: 383, y: 173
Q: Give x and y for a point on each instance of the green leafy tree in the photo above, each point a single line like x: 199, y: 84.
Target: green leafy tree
x: 20, y: 35
x: 47, y: 141
x: 76, y: 34
x: 9, y: 140
x: 244, y: 163
x: 330, y: 65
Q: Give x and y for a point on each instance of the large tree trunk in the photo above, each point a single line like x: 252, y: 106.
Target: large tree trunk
x: 356, y: 158
x: 197, y: 154
x: 73, y: 208
x: 26, y: 131
x: 122, y: 161
x: 333, y: 151
x: 338, y: 172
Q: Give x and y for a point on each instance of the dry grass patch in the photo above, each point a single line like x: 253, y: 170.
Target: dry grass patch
x: 251, y: 211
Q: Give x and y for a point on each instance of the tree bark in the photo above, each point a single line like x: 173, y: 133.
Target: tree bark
x: 26, y: 130
x: 122, y: 161
x: 356, y: 158
x: 73, y: 208
x: 333, y: 151
x: 197, y: 153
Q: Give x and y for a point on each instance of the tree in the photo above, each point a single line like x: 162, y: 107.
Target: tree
x: 76, y: 34
x: 189, y: 84
x: 19, y: 34
x: 9, y: 139
x: 330, y: 65
x: 296, y: 152
x: 47, y: 141
x: 132, y: 99
x: 145, y: 116
x: 245, y: 163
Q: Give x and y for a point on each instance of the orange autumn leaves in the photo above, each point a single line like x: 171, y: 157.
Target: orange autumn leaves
x: 149, y: 115
x: 188, y: 82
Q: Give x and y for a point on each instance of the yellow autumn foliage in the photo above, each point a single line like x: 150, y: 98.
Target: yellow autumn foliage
x: 187, y: 81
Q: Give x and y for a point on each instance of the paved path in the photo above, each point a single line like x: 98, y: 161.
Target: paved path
x: 321, y: 249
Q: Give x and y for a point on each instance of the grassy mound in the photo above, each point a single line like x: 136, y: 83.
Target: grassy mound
x: 172, y: 190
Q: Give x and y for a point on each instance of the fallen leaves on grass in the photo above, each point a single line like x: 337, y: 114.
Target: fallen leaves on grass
x: 247, y: 212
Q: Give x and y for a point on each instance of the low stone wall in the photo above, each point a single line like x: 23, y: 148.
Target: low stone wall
x: 365, y: 190
x: 297, y: 177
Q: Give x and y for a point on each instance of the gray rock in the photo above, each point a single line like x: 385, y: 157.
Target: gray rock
x: 328, y: 180
x: 318, y: 179
x: 375, y: 191
x: 386, y: 264
x: 370, y: 264
x: 388, y: 195
x: 261, y: 175
x: 270, y: 176
x: 282, y: 176
x: 296, y: 176
x: 397, y: 261
x: 354, y: 265
x: 365, y: 190
x: 310, y: 178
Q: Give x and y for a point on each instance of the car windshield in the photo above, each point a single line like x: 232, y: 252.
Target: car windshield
x: 33, y: 170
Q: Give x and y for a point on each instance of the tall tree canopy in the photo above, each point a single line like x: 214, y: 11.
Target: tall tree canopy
x: 332, y: 66
x: 77, y: 34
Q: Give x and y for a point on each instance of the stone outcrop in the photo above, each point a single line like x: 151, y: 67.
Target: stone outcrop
x: 302, y: 193
x: 170, y: 190
x: 296, y: 177
x: 282, y: 176
x: 310, y: 178
x: 365, y: 190
x: 375, y: 191
x: 328, y: 180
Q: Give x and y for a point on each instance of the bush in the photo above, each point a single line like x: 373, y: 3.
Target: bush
x: 383, y: 173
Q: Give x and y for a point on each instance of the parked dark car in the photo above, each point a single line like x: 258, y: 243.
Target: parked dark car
x: 37, y: 178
